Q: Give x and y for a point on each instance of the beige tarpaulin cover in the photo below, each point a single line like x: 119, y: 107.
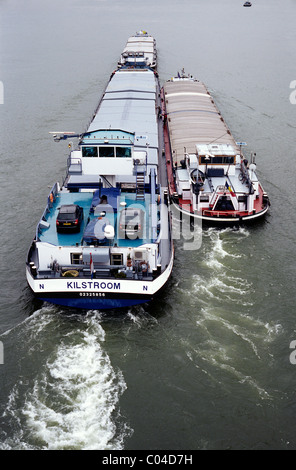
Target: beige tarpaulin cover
x: 193, y: 118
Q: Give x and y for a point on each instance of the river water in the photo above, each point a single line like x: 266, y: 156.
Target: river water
x: 209, y: 365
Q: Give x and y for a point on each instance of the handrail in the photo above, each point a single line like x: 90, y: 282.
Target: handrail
x: 153, y: 205
x: 73, y: 160
x: 246, y: 176
x: 216, y: 192
x: 50, y: 200
x: 106, y: 181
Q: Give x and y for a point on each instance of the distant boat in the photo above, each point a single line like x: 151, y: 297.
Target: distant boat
x: 247, y: 4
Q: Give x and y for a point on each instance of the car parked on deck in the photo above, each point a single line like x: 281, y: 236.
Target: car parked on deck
x: 69, y: 218
x: 131, y: 223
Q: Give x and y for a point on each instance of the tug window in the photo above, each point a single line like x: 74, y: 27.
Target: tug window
x: 106, y: 152
x: 123, y: 152
x: 89, y: 151
x: 216, y: 160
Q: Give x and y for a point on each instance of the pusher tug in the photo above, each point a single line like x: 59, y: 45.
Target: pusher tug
x: 104, y: 239
x: 208, y: 176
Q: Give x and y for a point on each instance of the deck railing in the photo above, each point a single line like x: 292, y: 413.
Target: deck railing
x: 50, y: 201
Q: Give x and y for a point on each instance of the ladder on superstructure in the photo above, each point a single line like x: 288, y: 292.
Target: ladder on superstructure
x: 140, y: 184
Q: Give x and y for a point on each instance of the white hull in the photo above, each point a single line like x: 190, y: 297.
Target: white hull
x: 99, y: 293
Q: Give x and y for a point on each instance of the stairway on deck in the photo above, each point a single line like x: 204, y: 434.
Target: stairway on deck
x: 140, y: 185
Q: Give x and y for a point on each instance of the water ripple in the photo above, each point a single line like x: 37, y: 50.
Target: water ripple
x: 230, y: 332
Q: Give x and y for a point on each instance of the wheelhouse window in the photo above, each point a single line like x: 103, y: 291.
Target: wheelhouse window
x: 226, y: 160
x: 89, y: 151
x: 123, y: 152
x: 106, y: 152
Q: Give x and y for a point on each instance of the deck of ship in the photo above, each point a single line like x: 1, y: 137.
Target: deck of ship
x: 50, y: 235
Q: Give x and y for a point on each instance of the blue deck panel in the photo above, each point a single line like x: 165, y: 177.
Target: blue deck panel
x: 84, y: 199
x: 50, y: 234
x: 131, y: 201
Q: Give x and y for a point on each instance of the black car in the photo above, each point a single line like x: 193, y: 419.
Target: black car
x: 69, y: 218
x: 131, y: 223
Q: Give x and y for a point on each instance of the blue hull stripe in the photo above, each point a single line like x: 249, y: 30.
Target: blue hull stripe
x: 94, y: 303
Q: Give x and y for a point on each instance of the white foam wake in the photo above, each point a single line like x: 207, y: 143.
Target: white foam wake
x: 73, y: 402
x: 232, y: 340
